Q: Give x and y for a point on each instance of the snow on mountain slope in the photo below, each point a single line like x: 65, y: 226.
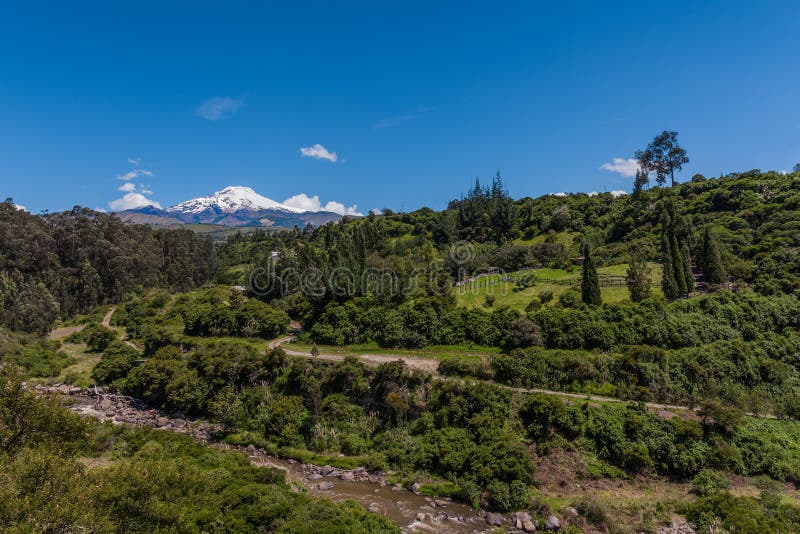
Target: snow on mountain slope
x: 230, y: 200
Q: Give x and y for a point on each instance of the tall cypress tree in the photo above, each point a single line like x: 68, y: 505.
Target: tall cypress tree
x: 677, y: 261
x: 590, y: 284
x: 713, y: 268
x: 638, y: 277
x: 668, y: 283
x: 688, y: 273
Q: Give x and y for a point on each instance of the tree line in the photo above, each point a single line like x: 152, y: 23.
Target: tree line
x: 58, y: 265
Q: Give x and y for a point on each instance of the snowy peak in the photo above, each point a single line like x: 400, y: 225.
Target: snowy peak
x: 230, y: 200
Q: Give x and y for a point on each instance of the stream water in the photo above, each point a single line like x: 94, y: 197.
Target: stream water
x: 410, y: 511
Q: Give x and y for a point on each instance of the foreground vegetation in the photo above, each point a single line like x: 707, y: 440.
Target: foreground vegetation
x: 62, y: 473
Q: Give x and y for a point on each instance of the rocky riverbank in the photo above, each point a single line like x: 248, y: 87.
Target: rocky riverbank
x: 412, y: 511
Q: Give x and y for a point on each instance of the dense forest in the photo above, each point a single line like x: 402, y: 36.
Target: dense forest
x: 58, y: 265
x: 684, y: 294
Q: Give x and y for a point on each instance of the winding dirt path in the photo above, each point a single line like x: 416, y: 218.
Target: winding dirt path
x: 423, y: 364
x: 432, y: 365
x: 107, y: 319
x: 60, y: 333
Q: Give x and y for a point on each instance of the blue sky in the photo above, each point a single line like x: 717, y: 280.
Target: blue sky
x: 415, y: 99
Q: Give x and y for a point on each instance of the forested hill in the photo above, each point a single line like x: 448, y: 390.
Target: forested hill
x: 752, y: 218
x: 65, y: 263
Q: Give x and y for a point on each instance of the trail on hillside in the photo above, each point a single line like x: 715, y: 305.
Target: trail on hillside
x: 60, y: 333
x: 432, y: 365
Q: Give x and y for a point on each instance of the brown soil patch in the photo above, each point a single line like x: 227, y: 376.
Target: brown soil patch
x: 64, y: 331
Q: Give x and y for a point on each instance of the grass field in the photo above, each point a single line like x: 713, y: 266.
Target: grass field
x: 568, y: 239
x: 80, y: 372
x: 557, y: 281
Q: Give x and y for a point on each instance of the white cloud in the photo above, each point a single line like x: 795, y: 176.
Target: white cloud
x: 318, y: 152
x: 219, y: 107
x: 131, y: 201
x: 559, y: 194
x: 135, y: 195
x: 307, y: 203
x: 376, y: 211
x: 341, y: 209
x: 20, y: 207
x: 625, y: 167
x: 135, y: 173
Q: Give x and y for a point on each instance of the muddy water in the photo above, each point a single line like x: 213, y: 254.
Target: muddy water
x: 411, y: 512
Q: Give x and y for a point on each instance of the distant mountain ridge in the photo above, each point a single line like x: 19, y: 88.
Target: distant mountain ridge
x: 232, y: 206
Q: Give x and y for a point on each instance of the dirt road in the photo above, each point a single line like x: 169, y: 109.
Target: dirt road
x: 432, y: 365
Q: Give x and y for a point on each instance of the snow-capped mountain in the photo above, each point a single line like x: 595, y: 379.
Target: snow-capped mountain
x: 230, y: 200
x: 232, y: 206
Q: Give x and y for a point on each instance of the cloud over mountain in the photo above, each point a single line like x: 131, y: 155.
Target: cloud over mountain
x: 131, y: 201
x: 307, y: 203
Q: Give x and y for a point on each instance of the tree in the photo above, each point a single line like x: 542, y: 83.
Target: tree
x: 638, y: 277
x: 668, y: 283
x: 713, y: 268
x: 796, y: 167
x: 314, y: 351
x: 688, y: 273
x: 524, y: 333
x: 639, y: 182
x: 590, y: 284
x: 678, y: 278
x: 664, y: 156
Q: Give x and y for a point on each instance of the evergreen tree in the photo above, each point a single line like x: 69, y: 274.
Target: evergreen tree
x: 688, y: 273
x: 713, y: 268
x: 639, y: 182
x: 638, y: 277
x: 590, y: 285
x: 677, y: 262
x: 668, y: 283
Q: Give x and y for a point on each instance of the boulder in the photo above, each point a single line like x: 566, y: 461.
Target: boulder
x: 251, y: 448
x: 314, y: 476
x: 326, y: 485
x: 440, y: 502
x: 528, y: 526
x: 415, y: 487
x: 105, y: 404
x: 178, y: 423
x: 347, y: 475
x: 494, y: 519
x: 570, y: 511
x: 421, y: 517
x: 374, y: 507
x: 326, y: 470
x: 552, y: 523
